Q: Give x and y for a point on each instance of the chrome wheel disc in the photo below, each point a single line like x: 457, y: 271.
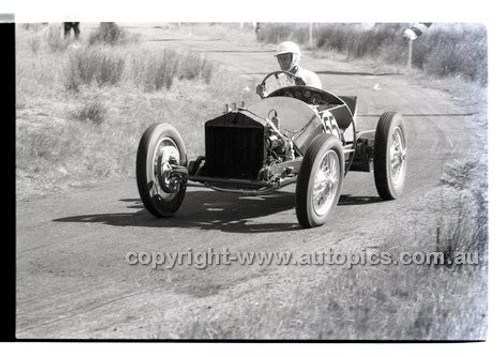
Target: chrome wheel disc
x: 166, y: 152
x: 397, y: 155
x: 326, y: 183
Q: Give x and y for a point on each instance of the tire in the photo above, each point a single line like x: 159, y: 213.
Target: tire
x: 313, y: 209
x: 157, y: 141
x: 389, y: 158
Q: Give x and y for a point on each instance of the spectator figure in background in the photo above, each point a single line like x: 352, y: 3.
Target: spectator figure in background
x: 71, y: 25
x: 288, y: 56
x: 257, y: 27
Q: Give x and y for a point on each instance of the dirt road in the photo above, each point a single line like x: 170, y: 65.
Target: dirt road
x: 72, y: 278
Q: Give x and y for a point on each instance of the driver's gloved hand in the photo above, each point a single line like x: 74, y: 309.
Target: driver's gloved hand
x: 260, y: 90
x: 299, y: 81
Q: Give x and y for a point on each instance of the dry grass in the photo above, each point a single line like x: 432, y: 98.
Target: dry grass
x: 157, y: 69
x: 87, y: 65
x: 232, y: 32
x: 93, y: 111
x: 277, y: 32
x: 91, y: 133
x: 468, y: 230
x: 108, y: 33
x: 364, y: 303
x: 55, y: 41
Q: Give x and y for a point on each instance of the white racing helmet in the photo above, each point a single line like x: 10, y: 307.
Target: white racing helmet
x: 289, y: 47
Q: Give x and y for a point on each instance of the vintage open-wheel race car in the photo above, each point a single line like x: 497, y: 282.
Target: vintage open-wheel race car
x: 295, y: 134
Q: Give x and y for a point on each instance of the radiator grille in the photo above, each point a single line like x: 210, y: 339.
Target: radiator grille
x: 234, y: 147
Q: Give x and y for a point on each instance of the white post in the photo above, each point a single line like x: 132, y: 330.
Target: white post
x: 311, y: 35
x: 410, y: 54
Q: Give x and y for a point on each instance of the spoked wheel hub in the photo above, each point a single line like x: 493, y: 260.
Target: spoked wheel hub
x: 390, y: 156
x: 326, y: 183
x: 397, y: 156
x: 319, y: 182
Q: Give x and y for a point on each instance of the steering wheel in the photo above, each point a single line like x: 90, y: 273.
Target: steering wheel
x: 276, y: 73
x: 289, y: 75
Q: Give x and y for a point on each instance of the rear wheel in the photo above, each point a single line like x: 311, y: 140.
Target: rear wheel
x: 161, y: 190
x: 389, y: 159
x: 319, y: 182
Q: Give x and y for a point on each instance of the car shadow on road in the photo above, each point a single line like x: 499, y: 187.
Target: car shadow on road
x: 208, y: 210
x: 349, y: 200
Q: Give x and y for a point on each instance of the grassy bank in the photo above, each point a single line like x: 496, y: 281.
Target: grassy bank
x: 82, y: 106
x: 364, y: 303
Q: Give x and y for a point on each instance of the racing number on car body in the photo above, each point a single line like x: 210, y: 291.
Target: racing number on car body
x: 329, y: 123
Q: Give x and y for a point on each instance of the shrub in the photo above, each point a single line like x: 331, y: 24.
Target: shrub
x: 107, y: 33
x: 359, y: 40
x: 55, y: 40
x: 454, y: 50
x: 155, y: 70
x: 34, y: 43
x: 469, y: 230
x: 92, y: 111
x: 195, y: 66
x: 98, y: 64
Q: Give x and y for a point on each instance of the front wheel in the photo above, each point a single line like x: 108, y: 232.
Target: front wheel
x: 162, y: 190
x: 389, y: 158
x: 319, y: 182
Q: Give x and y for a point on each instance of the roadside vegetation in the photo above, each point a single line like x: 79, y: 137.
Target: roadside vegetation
x: 456, y: 50
x: 82, y: 106
x: 364, y: 303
